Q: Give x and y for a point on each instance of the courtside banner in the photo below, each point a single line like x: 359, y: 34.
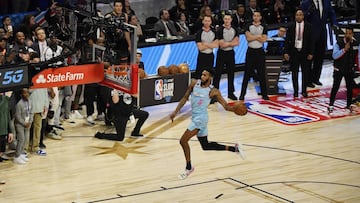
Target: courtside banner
x: 69, y: 75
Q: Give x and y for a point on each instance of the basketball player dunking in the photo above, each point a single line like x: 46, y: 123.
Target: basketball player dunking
x: 201, y: 91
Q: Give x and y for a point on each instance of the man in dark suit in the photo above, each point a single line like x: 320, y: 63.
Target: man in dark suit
x: 239, y: 18
x: 317, y: 13
x: 164, y: 25
x: 299, y: 49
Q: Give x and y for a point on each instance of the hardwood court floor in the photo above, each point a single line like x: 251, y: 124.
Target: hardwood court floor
x: 316, y: 162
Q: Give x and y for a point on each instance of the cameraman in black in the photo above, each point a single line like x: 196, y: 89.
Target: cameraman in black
x: 121, y: 107
x: 344, y: 55
x: 116, y: 35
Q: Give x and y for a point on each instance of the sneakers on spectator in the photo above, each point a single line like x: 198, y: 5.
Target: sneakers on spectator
x: 5, y: 157
x: 232, y: 97
x: 90, y: 120
x: 41, y: 152
x: 186, y: 173
x: 19, y: 160
x: 239, y: 150
x: 24, y: 157
x: 54, y: 135
x: 100, y: 117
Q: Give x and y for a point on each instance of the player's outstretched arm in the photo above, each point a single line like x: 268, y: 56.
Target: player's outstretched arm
x: 183, y: 100
x: 216, y: 93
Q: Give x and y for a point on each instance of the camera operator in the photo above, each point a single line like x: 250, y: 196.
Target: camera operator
x: 121, y: 107
x: 116, y: 35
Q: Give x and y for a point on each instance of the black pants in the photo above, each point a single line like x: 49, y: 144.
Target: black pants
x: 206, y: 145
x: 3, y: 142
x: 338, y: 75
x: 203, y: 61
x: 297, y: 59
x: 120, y: 122
x: 98, y: 93
x: 315, y: 69
x: 225, y: 58
x: 255, y: 59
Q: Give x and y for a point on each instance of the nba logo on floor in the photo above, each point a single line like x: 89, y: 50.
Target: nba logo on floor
x: 159, y: 86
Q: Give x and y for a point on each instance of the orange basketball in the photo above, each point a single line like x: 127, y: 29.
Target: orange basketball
x: 162, y: 71
x: 142, y: 74
x: 240, y: 108
x: 183, y: 68
x: 173, y: 69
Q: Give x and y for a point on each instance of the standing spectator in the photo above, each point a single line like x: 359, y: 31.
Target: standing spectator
x: 299, y: 50
x: 127, y: 8
x: 6, y: 126
x: 206, y: 41
x: 317, y: 13
x: 133, y: 20
x: 228, y: 37
x: 23, y: 120
x: 238, y: 18
x: 256, y: 35
x: 344, y: 55
x: 205, y: 11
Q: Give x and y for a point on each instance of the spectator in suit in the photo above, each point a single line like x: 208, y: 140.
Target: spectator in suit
x: 299, y: 50
x: 239, y: 18
x: 165, y: 25
x: 317, y: 12
x: 250, y: 11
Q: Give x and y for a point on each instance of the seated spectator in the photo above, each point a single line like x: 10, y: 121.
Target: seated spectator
x: 182, y: 25
x: 250, y: 11
x: 28, y: 26
x: 164, y: 25
x: 239, y: 18
x: 204, y: 11
x: 8, y: 28
x: 276, y: 46
x: 180, y: 7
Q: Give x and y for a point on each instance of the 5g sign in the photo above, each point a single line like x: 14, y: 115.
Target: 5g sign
x: 13, y: 77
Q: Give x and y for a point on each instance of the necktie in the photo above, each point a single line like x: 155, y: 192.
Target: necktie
x: 299, y: 32
x: 318, y: 8
x: 167, y: 27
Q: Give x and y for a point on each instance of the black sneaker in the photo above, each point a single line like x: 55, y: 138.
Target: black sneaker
x: 318, y: 83
x: 232, y: 97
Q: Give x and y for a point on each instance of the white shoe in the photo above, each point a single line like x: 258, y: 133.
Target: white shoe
x: 186, y: 173
x: 100, y: 117
x: 19, y: 160
x: 239, y: 150
x: 24, y: 158
x: 90, y: 120
x: 54, y: 135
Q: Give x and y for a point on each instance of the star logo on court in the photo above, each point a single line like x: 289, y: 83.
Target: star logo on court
x: 120, y: 150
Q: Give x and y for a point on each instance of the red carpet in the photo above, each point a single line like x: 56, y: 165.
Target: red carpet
x: 290, y: 111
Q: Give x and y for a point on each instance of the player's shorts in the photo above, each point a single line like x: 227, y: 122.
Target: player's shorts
x: 199, y: 122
